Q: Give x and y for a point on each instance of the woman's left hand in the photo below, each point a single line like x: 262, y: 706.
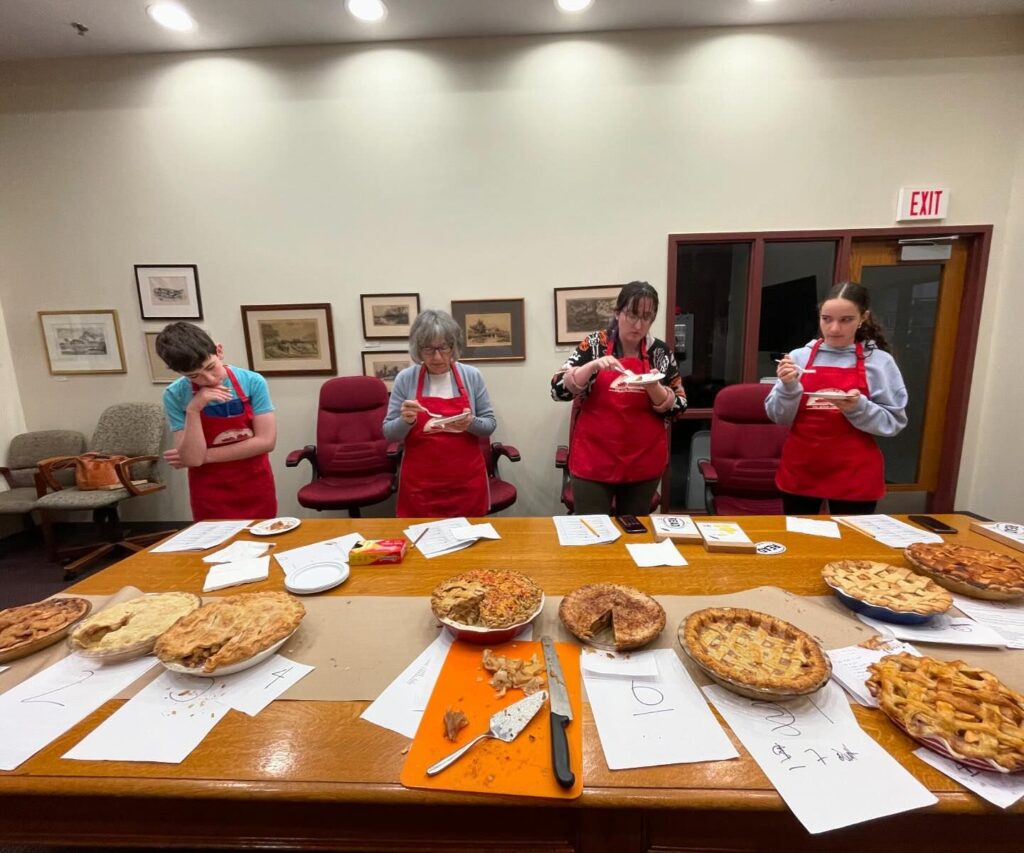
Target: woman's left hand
x: 849, y: 404
x: 658, y: 393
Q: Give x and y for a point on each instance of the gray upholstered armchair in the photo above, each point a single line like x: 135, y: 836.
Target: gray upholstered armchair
x: 134, y: 430
x: 23, y: 457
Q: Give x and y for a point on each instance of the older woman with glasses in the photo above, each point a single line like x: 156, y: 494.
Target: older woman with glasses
x: 619, y: 442
x: 439, y: 408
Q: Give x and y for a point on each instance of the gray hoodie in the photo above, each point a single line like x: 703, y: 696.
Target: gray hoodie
x: 883, y: 413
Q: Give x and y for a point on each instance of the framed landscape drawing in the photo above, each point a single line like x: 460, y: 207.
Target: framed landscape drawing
x: 158, y: 371
x: 388, y: 315
x: 169, y: 292
x: 495, y: 329
x: 290, y: 340
x: 385, y: 365
x: 82, y: 341
x: 582, y: 310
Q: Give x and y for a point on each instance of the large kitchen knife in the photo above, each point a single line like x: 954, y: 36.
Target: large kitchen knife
x: 561, y: 715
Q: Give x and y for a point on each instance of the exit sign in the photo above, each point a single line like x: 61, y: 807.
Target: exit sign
x: 922, y: 203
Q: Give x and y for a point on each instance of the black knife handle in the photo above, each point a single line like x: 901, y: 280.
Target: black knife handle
x: 560, y: 751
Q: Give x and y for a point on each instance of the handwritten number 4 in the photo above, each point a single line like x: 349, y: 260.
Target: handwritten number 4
x: 278, y: 675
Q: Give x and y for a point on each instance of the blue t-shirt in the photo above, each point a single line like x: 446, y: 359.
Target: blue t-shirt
x: 178, y: 395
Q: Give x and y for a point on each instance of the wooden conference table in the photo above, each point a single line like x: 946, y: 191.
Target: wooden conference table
x: 313, y: 775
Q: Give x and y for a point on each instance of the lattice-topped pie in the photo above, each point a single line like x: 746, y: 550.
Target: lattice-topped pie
x: 968, y: 710
x: 893, y: 587
x: 32, y: 626
x: 754, y: 653
x: 634, y: 617
x: 131, y: 625
x: 972, y: 571
x: 229, y: 630
x: 487, y: 597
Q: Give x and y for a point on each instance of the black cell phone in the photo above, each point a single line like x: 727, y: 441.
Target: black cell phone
x: 631, y: 524
x: 933, y: 524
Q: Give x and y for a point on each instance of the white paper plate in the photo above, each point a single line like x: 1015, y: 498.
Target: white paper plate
x: 274, y: 526
x: 317, y: 577
x: 828, y: 395
x: 644, y: 378
x: 259, y: 657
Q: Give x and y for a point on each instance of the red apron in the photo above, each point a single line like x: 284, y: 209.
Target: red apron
x: 242, y: 488
x: 617, y: 438
x: 443, y: 473
x: 825, y: 455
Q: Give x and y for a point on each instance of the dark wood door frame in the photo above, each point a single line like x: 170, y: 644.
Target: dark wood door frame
x: 980, y: 242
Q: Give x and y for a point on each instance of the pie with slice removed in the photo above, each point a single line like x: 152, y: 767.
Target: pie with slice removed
x: 635, y: 618
x: 489, y: 598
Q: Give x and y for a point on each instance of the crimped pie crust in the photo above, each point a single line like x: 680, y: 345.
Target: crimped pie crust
x: 894, y: 587
x: 30, y: 623
x: 230, y: 630
x: 969, y: 568
x: 635, y: 617
x: 132, y: 623
x: 490, y: 598
x: 754, y: 649
x: 970, y: 709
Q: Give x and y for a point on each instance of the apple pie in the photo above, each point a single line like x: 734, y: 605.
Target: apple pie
x: 972, y: 571
x: 229, y: 630
x: 131, y: 625
x: 972, y: 713
x: 753, y: 653
x: 487, y: 597
x: 634, y: 617
x: 32, y: 626
x: 893, y: 587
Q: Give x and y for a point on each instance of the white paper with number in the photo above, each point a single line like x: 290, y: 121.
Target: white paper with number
x: 1002, y: 789
x: 1004, y: 617
x: 585, y: 529
x: 812, y: 527
x: 201, y: 535
x: 943, y: 628
x: 888, y: 530
x: 434, y: 538
x: 251, y: 690
x: 828, y: 770
x: 648, y: 722
x: 43, y: 707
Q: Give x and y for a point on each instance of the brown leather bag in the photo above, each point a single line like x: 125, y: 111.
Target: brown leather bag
x: 97, y: 471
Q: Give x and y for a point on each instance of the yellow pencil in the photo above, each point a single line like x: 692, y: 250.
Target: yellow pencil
x: 583, y: 521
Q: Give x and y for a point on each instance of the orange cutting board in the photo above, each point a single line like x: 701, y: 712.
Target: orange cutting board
x: 522, y: 767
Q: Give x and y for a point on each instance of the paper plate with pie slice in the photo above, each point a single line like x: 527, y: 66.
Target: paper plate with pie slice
x: 29, y: 627
x: 487, y: 605
x: 129, y: 630
x: 974, y: 572
x: 612, y: 616
x: 828, y: 395
x: 889, y: 593
x: 643, y: 378
x: 274, y: 526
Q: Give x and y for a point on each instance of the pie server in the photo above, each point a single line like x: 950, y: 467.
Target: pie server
x: 505, y: 726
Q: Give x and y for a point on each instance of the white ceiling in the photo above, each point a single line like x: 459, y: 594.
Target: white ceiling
x: 43, y: 28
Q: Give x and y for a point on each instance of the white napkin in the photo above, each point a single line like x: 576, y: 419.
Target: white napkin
x: 224, y: 575
x: 662, y: 553
x: 237, y: 551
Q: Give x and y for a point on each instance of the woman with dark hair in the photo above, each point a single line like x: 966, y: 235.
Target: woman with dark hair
x: 438, y: 408
x: 831, y: 453
x: 619, y: 441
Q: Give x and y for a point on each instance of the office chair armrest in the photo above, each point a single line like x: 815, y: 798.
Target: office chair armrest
x: 296, y: 456
x: 707, y: 470
x: 506, y: 450
x: 124, y: 474
x: 6, y: 474
x: 47, y: 468
x: 562, y: 456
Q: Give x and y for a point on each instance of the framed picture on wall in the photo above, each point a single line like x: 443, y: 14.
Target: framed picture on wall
x: 494, y: 328
x: 169, y: 292
x: 159, y: 372
x: 82, y: 341
x: 582, y: 310
x: 388, y: 315
x: 385, y: 365
x: 290, y: 340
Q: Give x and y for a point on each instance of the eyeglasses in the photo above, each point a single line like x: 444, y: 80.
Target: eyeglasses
x: 638, y: 318
x: 444, y: 349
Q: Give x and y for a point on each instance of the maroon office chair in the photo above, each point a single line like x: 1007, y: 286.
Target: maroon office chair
x: 350, y: 461
x: 739, y: 479
x: 562, y: 463
x: 503, y: 493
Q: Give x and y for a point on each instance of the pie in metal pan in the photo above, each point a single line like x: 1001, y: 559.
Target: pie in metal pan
x: 890, y: 593
x: 229, y: 631
x: 754, y: 654
x: 129, y: 630
x: 974, y: 572
x: 612, y: 616
x: 958, y: 710
x: 30, y: 627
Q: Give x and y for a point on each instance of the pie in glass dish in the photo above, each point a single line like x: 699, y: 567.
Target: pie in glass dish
x: 754, y: 654
x: 974, y: 572
x: 130, y: 629
x: 229, y: 631
x: 891, y: 593
x: 634, y: 617
x: 29, y: 627
x: 956, y: 709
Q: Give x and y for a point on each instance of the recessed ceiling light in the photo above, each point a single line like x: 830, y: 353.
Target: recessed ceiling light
x: 367, y: 10
x: 573, y: 5
x: 171, y: 15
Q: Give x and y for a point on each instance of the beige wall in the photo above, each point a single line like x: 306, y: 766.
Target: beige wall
x: 491, y: 168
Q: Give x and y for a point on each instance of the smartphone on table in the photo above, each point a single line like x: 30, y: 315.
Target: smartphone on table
x: 631, y: 524
x: 933, y: 524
